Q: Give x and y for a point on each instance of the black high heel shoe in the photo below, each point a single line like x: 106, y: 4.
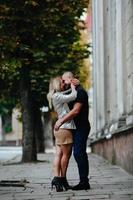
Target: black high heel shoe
x: 56, y: 182
x: 65, y: 184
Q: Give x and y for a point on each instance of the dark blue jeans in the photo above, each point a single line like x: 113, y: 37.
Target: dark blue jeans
x: 80, y: 136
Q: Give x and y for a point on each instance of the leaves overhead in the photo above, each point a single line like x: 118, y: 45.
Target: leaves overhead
x: 42, y: 35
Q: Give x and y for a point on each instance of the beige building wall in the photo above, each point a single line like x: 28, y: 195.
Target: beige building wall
x: 112, y: 65
x: 112, y: 137
x: 14, y: 137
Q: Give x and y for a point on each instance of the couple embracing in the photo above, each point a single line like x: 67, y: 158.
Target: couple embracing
x: 71, y: 130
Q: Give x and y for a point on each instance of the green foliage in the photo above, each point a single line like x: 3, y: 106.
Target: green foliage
x: 42, y: 35
x: 8, y: 128
x: 6, y: 106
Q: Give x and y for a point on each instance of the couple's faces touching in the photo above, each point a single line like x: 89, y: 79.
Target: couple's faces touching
x: 65, y: 82
x: 62, y: 85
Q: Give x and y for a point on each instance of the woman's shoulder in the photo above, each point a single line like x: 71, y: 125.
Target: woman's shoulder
x: 56, y: 95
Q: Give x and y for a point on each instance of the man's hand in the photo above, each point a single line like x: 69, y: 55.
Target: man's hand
x: 73, y: 113
x: 58, y: 124
x: 72, y: 86
x: 75, y: 81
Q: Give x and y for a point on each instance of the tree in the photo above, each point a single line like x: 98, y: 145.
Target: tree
x: 39, y: 39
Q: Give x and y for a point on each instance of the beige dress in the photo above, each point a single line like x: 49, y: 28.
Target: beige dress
x: 60, y: 100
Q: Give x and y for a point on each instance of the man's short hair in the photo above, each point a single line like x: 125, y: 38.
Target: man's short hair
x: 68, y: 74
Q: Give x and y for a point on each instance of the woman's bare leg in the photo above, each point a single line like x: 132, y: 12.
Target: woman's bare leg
x: 57, y: 161
x: 66, y: 153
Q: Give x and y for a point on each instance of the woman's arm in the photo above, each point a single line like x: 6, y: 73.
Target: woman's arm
x: 66, y: 98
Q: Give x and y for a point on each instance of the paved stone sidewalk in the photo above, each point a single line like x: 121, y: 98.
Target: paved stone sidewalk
x: 107, y: 181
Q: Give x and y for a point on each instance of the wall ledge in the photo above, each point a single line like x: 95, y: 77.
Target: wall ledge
x: 109, y: 135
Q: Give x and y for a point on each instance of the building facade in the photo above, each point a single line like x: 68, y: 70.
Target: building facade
x: 13, y: 137
x: 113, y: 81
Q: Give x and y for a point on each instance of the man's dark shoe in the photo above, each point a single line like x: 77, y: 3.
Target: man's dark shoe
x: 81, y: 186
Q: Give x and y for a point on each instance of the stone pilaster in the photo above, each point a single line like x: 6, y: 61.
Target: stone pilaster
x: 98, y: 64
x: 129, y: 60
x: 112, y: 65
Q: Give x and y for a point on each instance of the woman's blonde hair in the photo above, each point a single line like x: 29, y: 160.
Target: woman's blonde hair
x: 54, y: 86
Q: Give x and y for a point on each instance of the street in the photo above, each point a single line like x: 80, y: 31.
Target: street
x: 108, y: 182
x: 8, y: 153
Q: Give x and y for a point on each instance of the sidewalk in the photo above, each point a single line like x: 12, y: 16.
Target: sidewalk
x: 107, y: 181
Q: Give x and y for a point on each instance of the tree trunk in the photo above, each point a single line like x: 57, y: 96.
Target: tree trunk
x: 38, y: 128
x: 29, y: 142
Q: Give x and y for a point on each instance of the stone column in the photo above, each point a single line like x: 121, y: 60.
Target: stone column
x: 106, y: 15
x: 120, y: 64
x: 112, y: 108
x: 98, y: 65
x: 129, y: 60
x: 94, y: 35
x: 112, y: 62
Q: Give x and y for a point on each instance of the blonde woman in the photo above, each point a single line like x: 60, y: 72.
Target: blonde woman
x: 63, y: 137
